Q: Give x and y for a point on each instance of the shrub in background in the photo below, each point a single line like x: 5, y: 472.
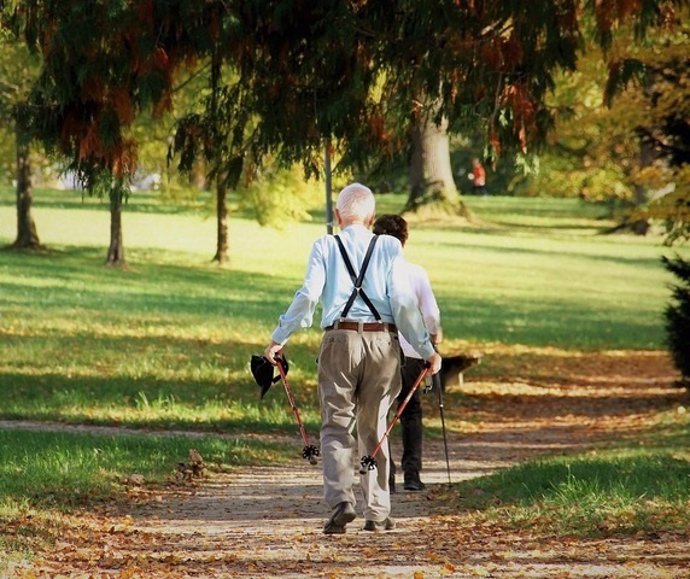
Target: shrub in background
x: 677, y: 314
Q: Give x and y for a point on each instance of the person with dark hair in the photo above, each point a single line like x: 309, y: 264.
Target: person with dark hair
x: 361, y: 282
x: 411, y: 417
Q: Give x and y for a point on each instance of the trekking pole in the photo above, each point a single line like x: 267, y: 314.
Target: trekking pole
x: 437, y: 385
x: 368, y: 462
x: 309, y: 452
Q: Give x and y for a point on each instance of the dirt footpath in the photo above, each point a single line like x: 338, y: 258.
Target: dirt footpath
x: 267, y: 521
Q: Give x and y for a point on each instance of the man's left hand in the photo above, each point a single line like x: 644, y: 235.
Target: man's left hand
x: 435, y: 361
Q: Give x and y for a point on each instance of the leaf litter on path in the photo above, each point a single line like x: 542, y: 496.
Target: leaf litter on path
x: 267, y: 521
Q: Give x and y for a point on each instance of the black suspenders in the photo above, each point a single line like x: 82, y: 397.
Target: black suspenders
x: 358, y: 279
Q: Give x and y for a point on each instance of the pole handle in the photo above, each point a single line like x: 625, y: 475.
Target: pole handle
x: 436, y: 379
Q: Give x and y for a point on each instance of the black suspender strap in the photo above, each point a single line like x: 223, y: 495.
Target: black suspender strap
x: 358, y: 279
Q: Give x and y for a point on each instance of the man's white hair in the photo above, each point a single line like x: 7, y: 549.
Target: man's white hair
x: 355, y: 202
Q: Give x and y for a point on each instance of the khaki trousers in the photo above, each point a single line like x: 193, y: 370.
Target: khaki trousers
x: 359, y: 378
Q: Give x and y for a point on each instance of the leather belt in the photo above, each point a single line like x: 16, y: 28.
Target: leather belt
x: 363, y: 326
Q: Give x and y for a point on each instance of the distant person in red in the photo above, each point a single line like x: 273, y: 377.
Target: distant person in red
x: 478, y: 176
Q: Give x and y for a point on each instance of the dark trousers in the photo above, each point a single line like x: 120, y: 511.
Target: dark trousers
x: 411, y: 418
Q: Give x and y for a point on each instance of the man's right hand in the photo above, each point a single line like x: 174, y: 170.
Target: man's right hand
x: 435, y: 361
x: 270, y: 352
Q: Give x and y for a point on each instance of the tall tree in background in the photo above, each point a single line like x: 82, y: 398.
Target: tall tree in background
x: 431, y: 174
x: 27, y: 236
x: 17, y: 72
x: 103, y: 63
x: 206, y: 136
x: 349, y: 78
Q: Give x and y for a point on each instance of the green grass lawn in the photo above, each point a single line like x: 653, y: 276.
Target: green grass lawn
x: 167, y: 341
x: 48, y: 469
x: 630, y: 488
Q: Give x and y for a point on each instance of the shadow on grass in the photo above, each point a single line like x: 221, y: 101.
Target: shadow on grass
x: 178, y: 289
x: 542, y: 408
x: 75, y: 280
x: 555, y: 386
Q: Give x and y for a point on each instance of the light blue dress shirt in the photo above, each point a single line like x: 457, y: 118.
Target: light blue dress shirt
x: 386, y: 283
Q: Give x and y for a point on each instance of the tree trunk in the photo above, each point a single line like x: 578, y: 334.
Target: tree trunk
x: 431, y: 174
x: 640, y: 197
x: 27, y: 237
x: 197, y: 178
x: 222, y: 254
x: 640, y: 226
x: 116, y: 251
x: 221, y: 178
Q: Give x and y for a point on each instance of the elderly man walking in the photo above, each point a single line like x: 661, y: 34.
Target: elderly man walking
x: 362, y: 284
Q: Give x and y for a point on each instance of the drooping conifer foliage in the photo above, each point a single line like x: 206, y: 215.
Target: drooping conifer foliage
x: 348, y: 72
x: 103, y: 63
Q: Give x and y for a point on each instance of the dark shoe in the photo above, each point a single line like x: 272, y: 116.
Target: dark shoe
x: 413, y: 483
x: 343, y: 514
x: 378, y: 526
x: 391, y: 485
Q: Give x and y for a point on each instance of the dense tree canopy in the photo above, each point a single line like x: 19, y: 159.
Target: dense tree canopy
x: 622, y: 130
x: 17, y: 72
x: 352, y: 76
x: 654, y: 81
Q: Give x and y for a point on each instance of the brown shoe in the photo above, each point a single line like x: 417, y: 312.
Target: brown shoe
x: 343, y: 513
x: 387, y: 524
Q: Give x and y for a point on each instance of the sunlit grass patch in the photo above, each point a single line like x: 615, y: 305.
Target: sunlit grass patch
x: 169, y: 339
x: 641, y: 487
x: 570, y: 216
x: 69, y: 470
x: 151, y: 401
x: 126, y: 357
